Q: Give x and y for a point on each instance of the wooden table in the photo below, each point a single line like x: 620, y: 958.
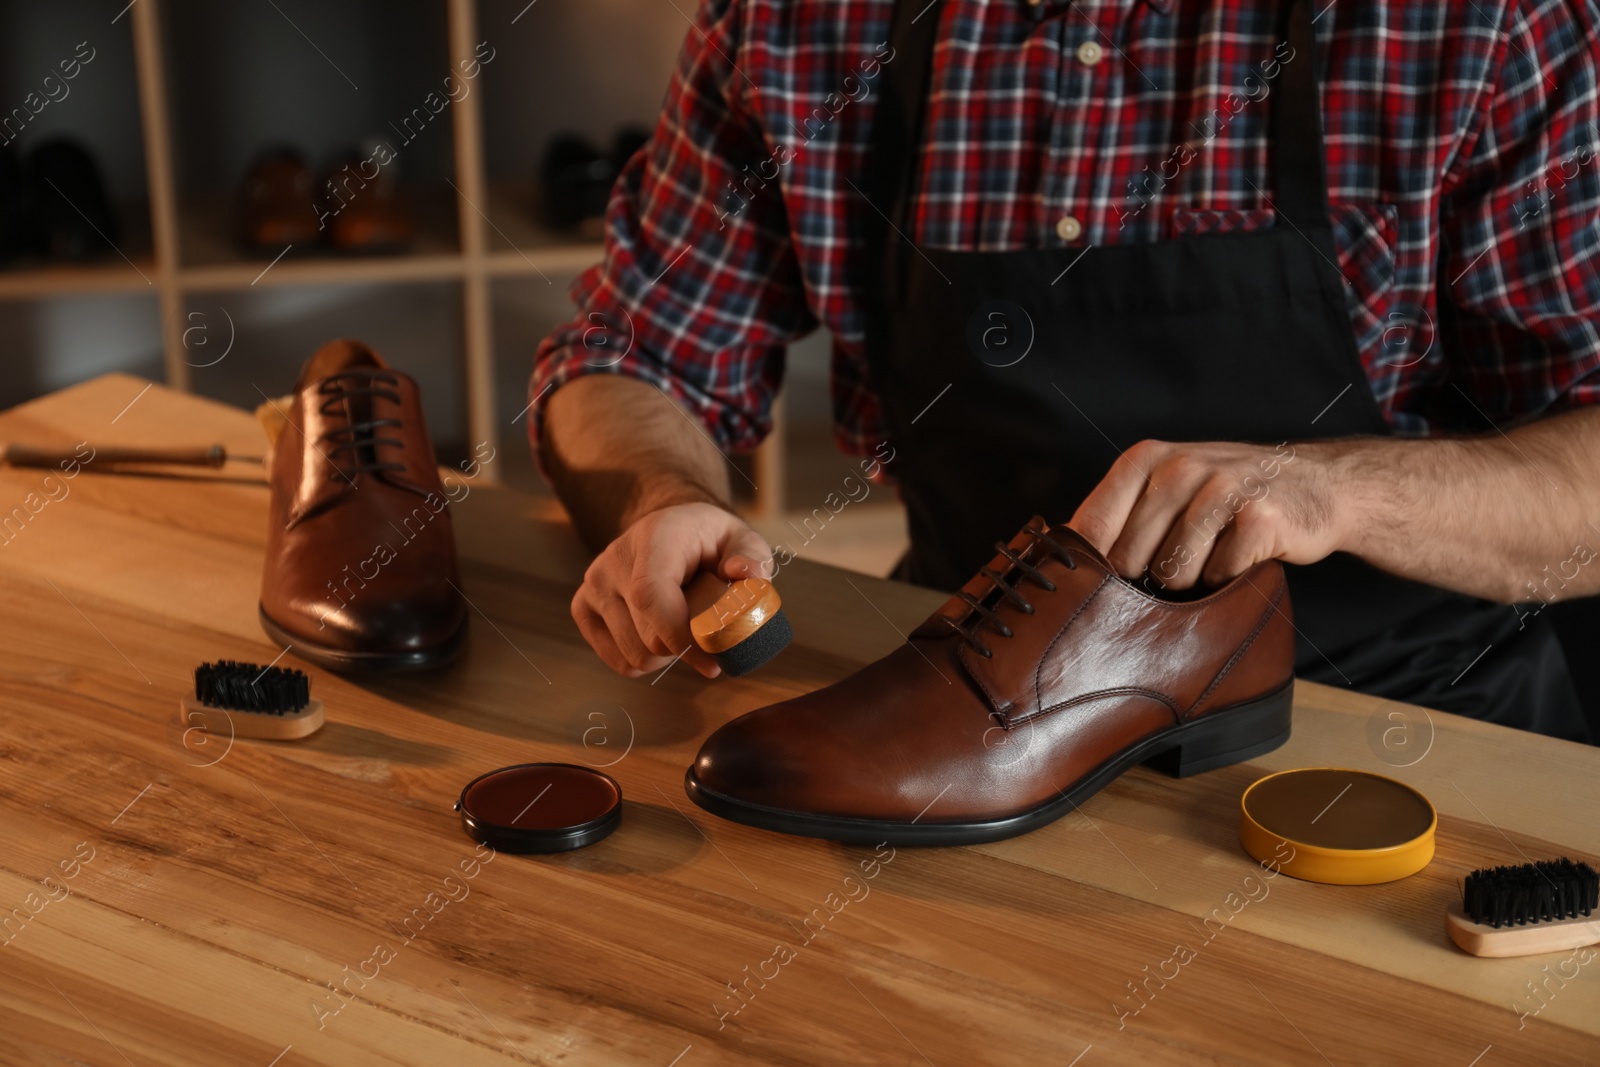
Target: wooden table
x: 217, y: 892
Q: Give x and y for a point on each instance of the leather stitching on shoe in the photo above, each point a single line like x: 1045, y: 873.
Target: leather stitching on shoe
x: 1000, y: 707
x: 1233, y: 661
x: 1164, y: 699
x: 1038, y: 673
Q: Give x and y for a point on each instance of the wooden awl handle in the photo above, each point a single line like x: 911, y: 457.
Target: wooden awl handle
x: 35, y: 456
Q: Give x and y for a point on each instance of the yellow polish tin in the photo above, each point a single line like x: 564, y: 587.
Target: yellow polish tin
x: 1337, y: 825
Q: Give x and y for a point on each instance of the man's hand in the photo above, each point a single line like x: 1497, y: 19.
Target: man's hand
x: 1208, y: 512
x: 647, y: 491
x: 631, y: 607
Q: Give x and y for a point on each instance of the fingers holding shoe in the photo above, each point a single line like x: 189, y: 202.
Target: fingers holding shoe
x: 1205, y: 512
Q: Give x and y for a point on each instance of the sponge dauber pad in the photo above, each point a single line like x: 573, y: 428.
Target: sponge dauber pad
x: 743, y: 627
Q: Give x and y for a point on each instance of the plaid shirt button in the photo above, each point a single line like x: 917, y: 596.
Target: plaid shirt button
x: 1089, y: 53
x: 1069, y: 228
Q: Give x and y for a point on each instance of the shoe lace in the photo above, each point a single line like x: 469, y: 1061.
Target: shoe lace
x: 358, y: 437
x: 982, y: 613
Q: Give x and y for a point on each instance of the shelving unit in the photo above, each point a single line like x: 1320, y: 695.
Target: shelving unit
x: 193, y: 253
x: 468, y: 233
x: 209, y: 83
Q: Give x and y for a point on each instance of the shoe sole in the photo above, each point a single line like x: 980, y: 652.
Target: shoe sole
x: 1218, y: 739
x: 338, y: 659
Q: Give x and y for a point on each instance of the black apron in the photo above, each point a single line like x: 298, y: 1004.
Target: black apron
x: 1235, y: 336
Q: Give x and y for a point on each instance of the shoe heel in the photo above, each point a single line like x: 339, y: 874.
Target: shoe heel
x: 1231, y: 736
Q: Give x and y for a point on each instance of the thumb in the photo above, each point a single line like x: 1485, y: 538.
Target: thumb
x: 746, y: 554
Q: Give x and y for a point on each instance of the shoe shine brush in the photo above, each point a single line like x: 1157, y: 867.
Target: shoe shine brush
x: 1524, y: 910
x: 741, y: 624
x: 247, y: 700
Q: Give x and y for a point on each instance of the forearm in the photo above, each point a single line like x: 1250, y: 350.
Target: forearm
x: 1508, y: 517
x: 617, y: 448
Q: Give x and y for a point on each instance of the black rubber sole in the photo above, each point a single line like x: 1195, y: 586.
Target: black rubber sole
x: 336, y: 659
x: 1218, y: 739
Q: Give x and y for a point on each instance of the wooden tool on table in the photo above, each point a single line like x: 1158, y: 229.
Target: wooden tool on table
x: 214, y: 456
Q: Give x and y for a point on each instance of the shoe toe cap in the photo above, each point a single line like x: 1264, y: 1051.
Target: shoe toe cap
x: 422, y: 616
x: 754, y: 760
x: 420, y: 620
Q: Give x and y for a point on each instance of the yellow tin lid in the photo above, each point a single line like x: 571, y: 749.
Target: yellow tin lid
x: 1337, y: 825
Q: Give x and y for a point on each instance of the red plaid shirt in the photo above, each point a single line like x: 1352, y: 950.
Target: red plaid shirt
x: 1461, y: 137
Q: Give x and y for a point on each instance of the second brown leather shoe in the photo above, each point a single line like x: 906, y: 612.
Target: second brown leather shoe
x: 363, y: 209
x: 361, y: 558
x: 1039, y: 683
x: 276, y: 206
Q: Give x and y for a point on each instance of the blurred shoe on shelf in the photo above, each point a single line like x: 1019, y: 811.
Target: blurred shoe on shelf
x: 575, y: 181
x: 360, y: 569
x: 625, y: 143
x: 72, y: 217
x: 276, y: 206
x: 13, y: 233
x: 362, y: 207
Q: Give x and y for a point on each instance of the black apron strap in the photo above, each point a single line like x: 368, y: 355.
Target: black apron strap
x: 1300, y: 170
x: 897, y: 131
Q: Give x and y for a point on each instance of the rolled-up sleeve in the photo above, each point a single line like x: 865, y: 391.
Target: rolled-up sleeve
x: 1521, y: 222
x: 699, y: 291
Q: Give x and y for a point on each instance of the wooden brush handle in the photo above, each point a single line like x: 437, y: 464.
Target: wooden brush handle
x: 35, y: 456
x: 228, y: 725
x: 721, y: 614
x: 1531, y: 940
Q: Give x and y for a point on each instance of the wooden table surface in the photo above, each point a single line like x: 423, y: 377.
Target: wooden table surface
x: 173, y: 900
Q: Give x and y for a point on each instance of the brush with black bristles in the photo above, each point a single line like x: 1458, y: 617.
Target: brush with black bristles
x: 1528, y: 909
x: 247, y: 700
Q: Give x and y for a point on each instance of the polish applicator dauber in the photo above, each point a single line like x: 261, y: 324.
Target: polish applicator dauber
x: 740, y: 624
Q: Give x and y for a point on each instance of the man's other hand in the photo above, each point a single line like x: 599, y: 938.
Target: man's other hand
x: 1207, y: 512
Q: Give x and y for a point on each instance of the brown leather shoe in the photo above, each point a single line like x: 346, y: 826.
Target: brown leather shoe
x: 276, y: 206
x: 361, y: 560
x: 1039, y: 683
x: 363, y: 208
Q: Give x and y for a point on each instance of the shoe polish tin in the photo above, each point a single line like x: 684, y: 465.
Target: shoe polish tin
x: 540, y: 807
x: 1339, y: 826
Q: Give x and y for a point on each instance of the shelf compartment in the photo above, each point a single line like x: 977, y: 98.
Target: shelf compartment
x: 110, y: 273
x: 67, y: 279
x: 518, y: 244
x: 207, y: 232
x: 255, y: 342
